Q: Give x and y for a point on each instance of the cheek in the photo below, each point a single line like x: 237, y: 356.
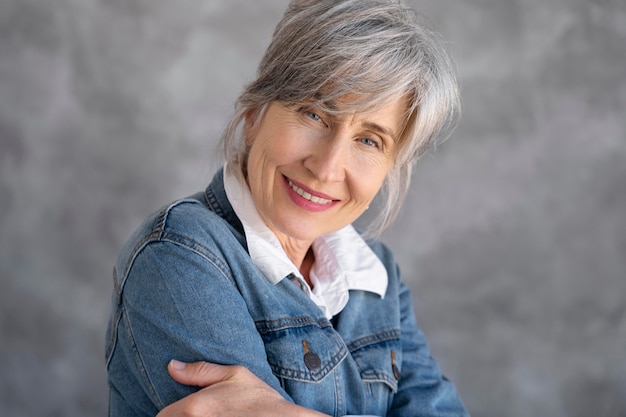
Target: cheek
x: 279, y: 147
x: 365, y: 188
x: 368, y: 177
x: 262, y: 154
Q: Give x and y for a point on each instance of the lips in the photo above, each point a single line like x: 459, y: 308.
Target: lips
x: 308, y: 198
x: 306, y: 195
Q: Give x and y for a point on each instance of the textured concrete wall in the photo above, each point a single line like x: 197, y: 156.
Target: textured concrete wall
x: 513, y: 237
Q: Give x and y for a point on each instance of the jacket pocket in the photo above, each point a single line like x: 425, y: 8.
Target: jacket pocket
x: 302, y: 348
x: 379, y: 359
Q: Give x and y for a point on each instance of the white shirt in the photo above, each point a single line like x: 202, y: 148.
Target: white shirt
x: 343, y: 261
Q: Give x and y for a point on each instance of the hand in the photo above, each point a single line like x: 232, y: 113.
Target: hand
x: 229, y: 391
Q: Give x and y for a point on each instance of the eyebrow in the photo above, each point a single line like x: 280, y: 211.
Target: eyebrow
x: 331, y: 104
x: 381, y: 129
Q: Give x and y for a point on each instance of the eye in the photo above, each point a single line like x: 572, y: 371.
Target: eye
x: 313, y: 115
x: 369, y: 142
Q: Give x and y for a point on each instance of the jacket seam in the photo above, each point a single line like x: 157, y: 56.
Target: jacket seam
x: 156, y: 231
x: 138, y: 359
x: 391, y: 334
x: 213, y: 203
x: 375, y: 378
x: 112, y: 339
x: 267, y: 326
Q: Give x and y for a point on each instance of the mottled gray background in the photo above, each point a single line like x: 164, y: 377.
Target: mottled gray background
x: 513, y: 237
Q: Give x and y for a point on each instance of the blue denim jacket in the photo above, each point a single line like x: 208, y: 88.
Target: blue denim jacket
x: 186, y: 288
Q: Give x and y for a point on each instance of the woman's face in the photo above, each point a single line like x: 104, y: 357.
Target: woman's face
x: 312, y: 173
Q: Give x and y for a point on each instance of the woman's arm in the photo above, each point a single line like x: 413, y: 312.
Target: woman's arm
x: 177, y: 301
x: 228, y: 391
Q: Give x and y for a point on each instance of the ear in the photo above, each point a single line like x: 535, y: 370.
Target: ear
x: 250, y: 125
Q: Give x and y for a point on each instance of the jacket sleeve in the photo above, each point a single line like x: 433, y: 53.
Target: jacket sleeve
x: 177, y: 301
x: 422, y: 390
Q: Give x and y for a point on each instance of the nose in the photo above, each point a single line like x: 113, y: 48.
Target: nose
x: 328, y: 161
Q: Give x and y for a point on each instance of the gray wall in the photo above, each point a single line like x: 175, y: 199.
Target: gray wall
x: 513, y: 236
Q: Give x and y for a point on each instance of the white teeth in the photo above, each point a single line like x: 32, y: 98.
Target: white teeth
x: 308, y: 196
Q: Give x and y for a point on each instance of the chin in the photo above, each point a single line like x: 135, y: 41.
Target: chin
x: 304, y: 231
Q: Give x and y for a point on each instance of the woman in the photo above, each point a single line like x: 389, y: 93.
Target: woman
x: 263, y: 273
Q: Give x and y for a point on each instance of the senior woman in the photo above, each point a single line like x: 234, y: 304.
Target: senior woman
x: 263, y: 272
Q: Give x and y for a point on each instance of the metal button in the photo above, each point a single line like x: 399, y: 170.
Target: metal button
x: 394, y: 367
x: 312, y: 361
x: 396, y: 371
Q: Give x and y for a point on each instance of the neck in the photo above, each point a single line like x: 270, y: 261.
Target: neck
x: 301, y: 254
x: 307, y: 264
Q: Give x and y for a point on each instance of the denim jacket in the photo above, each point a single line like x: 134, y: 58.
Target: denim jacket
x: 186, y: 288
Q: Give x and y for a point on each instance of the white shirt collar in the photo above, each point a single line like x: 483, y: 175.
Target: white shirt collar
x: 343, y: 261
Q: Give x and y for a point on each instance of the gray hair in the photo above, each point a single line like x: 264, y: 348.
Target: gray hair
x: 371, y: 51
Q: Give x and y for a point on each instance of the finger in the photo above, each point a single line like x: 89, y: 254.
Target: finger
x: 189, y: 406
x: 200, y: 374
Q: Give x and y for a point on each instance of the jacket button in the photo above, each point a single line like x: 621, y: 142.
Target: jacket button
x: 394, y: 367
x: 312, y: 361
x: 396, y: 371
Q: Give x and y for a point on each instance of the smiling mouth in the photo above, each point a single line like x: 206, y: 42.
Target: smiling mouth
x: 306, y: 195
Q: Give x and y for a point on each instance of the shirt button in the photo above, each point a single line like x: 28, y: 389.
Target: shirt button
x: 312, y: 361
